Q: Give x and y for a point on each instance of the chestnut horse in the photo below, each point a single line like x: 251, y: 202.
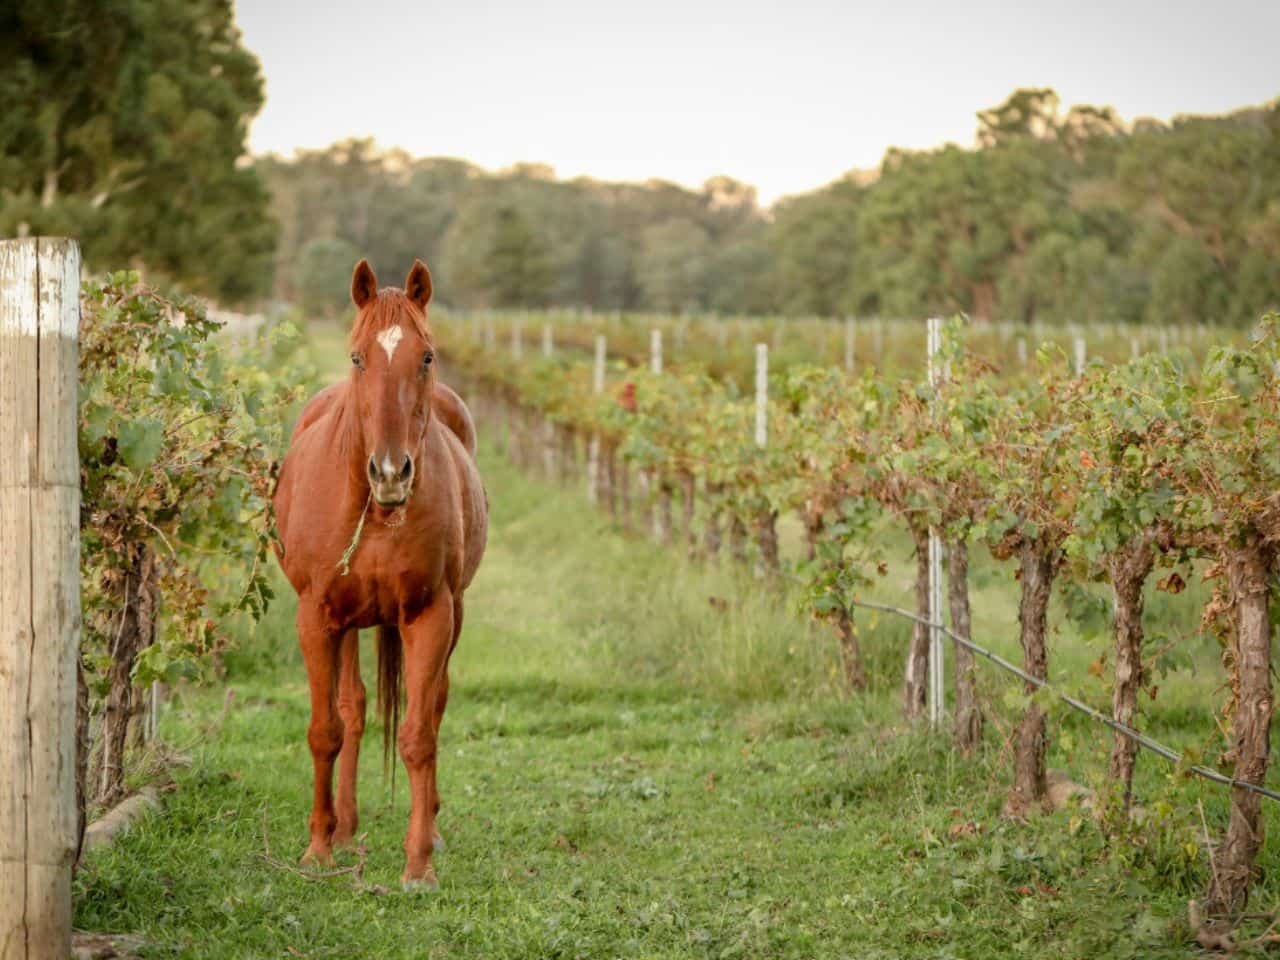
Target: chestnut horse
x: 382, y: 520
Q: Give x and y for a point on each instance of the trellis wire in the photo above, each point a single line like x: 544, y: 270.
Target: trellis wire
x: 1140, y: 739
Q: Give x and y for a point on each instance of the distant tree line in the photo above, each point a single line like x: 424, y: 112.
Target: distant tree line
x: 1055, y: 216
x: 123, y: 123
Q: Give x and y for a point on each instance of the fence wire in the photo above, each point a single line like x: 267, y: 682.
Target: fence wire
x: 1137, y: 737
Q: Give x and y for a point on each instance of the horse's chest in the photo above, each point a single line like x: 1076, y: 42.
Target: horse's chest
x: 390, y: 579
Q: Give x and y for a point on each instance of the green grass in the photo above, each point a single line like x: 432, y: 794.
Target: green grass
x: 628, y: 771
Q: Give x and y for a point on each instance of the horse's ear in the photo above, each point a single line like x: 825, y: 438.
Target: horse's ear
x: 417, y: 286
x: 364, y: 285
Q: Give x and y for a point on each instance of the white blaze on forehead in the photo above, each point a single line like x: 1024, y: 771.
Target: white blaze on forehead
x: 389, y: 339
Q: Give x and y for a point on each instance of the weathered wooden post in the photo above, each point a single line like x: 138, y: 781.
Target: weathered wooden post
x: 39, y: 593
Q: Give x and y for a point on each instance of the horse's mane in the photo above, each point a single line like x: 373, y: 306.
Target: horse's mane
x: 388, y: 309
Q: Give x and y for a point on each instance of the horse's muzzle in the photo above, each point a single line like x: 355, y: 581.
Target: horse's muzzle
x: 389, y: 481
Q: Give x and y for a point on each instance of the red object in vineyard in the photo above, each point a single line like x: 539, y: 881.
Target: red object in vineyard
x: 627, y: 397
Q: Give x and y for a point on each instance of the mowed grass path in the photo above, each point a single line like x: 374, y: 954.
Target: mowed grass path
x: 628, y: 770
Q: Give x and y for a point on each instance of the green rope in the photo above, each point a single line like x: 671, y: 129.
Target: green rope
x: 344, y: 563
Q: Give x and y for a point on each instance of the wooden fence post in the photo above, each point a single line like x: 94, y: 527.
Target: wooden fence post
x: 39, y: 593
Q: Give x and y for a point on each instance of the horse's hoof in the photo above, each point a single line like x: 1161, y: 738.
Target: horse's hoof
x: 427, y: 883
x: 317, y: 858
x: 437, y: 842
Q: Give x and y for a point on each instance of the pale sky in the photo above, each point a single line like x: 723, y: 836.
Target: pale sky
x: 785, y: 96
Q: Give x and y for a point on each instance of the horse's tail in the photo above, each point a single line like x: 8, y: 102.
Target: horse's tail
x: 390, y: 672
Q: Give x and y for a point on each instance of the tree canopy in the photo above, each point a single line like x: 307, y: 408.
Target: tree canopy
x: 123, y: 124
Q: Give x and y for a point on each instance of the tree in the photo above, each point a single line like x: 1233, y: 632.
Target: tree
x: 673, y: 265
x: 323, y: 287
x: 124, y: 124
x: 518, y: 272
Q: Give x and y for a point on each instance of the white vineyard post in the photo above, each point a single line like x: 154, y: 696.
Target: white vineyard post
x: 593, y: 448
x: 1135, y: 350
x: 517, y: 344
x: 548, y: 425
x: 650, y: 477
x: 1022, y: 352
x: 762, y: 394
x: 39, y: 592
x: 1081, y: 355
x: 849, y: 343
x: 762, y: 413
x: 937, y: 689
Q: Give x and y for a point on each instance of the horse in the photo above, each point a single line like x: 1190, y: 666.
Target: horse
x: 382, y: 520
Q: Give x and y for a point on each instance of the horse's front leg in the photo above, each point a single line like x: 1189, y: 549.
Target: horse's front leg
x: 427, y: 640
x: 442, y: 701
x: 351, y: 708
x: 320, y: 642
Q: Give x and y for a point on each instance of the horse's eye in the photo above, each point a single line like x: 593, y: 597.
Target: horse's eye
x: 357, y: 361
x: 427, y: 358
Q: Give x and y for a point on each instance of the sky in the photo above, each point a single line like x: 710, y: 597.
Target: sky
x: 786, y: 96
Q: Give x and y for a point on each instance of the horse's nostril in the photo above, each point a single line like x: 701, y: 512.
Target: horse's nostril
x: 373, y: 469
x: 407, y: 470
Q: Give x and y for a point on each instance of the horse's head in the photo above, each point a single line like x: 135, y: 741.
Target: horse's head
x: 391, y: 377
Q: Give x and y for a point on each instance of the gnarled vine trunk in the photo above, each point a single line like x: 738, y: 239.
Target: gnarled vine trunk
x: 624, y: 493
x: 1128, y: 567
x: 737, y: 538
x: 855, y: 672
x: 663, y: 516
x: 812, y: 517
x: 135, y: 633
x: 1249, y: 659
x: 1039, y: 565
x: 916, y: 680
x: 766, y: 523
x: 715, y: 514
x: 687, y: 533
x: 82, y: 755
x: 967, y: 731
x: 610, y: 468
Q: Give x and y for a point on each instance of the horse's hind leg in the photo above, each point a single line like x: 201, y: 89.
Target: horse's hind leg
x: 324, y: 734
x: 351, y: 707
x: 427, y: 640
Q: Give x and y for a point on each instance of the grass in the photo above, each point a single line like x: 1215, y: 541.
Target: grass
x: 630, y: 771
